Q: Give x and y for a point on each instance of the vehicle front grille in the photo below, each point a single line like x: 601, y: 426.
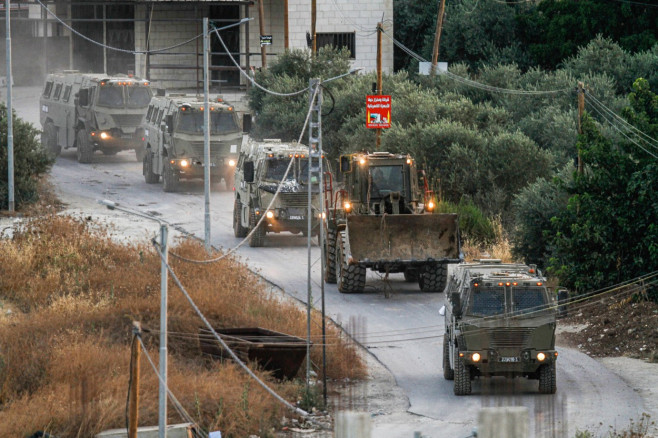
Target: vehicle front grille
x: 510, y: 337
x: 128, y: 120
x: 298, y: 199
x: 197, y: 147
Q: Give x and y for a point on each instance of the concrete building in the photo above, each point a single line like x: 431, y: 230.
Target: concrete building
x: 65, y: 37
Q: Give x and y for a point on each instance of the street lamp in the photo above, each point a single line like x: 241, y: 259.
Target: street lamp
x: 164, y: 231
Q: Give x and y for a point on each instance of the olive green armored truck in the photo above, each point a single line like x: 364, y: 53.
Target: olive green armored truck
x: 263, y: 189
x: 499, y: 321
x: 93, y: 112
x: 173, y: 132
x: 379, y: 218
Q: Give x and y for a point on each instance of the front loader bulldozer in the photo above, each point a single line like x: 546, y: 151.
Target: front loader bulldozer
x: 378, y: 218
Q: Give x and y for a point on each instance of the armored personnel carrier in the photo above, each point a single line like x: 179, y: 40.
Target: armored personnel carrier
x: 91, y: 112
x: 261, y: 169
x: 173, y: 133
x: 499, y: 321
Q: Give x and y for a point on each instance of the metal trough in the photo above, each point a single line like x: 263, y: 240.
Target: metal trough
x: 277, y: 352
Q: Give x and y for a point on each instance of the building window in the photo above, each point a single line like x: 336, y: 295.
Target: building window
x: 337, y: 40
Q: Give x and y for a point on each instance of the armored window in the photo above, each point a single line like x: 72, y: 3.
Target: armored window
x: 48, y: 89
x: 337, y: 40
x: 138, y: 96
x: 148, y: 113
x: 67, y: 93
x: 159, y: 119
x: 58, y: 91
x: 111, y: 96
x: 223, y: 122
x: 528, y: 300
x: 487, y: 301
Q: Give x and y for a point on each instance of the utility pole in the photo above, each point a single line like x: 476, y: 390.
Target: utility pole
x: 10, y: 114
x: 314, y: 17
x: 206, y: 135
x: 286, y: 36
x: 134, y: 389
x: 437, y: 36
x: 261, y: 22
x: 581, y: 110
x: 380, y: 28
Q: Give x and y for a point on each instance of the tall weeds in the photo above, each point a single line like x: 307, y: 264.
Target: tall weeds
x: 64, y: 358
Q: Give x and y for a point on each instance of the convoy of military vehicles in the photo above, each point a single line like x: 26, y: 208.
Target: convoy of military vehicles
x: 378, y: 213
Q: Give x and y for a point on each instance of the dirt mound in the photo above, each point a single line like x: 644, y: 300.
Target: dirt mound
x: 614, y: 327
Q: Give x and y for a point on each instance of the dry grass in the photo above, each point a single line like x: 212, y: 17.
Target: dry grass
x: 64, y: 357
x: 501, y: 249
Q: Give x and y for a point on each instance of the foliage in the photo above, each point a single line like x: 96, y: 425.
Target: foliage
x: 414, y: 22
x: 30, y: 161
x: 474, y: 225
x: 608, y: 231
x: 554, y: 30
x: 534, y: 207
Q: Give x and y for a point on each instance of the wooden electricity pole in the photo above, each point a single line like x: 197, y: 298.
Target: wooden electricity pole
x: 314, y: 17
x: 286, y: 37
x: 261, y: 22
x: 134, y: 388
x: 581, y: 110
x: 437, y: 36
x: 380, y: 28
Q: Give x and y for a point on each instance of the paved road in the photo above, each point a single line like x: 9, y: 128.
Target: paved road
x: 398, y: 324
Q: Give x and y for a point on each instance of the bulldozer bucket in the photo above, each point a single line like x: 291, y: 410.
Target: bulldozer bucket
x: 403, y: 238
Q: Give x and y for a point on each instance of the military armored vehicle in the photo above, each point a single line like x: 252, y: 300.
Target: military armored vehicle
x: 91, y: 112
x: 261, y: 169
x: 499, y: 321
x: 173, y: 132
x: 379, y: 218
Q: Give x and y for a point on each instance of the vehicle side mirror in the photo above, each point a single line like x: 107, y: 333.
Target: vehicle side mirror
x: 562, y: 302
x: 169, y: 120
x: 249, y: 171
x: 246, y: 123
x: 83, y: 97
x: 456, y: 304
x: 345, y: 164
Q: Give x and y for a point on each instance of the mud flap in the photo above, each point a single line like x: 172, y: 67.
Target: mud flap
x: 403, y: 237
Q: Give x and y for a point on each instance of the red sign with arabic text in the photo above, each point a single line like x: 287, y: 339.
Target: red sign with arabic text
x: 378, y: 111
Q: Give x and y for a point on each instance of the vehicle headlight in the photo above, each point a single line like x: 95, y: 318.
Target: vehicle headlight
x: 347, y: 206
x: 475, y: 357
x: 541, y: 357
x: 231, y: 163
x: 184, y: 163
x: 430, y: 205
x: 269, y: 214
x: 104, y: 135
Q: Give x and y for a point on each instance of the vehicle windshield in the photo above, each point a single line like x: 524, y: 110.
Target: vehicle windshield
x: 386, y: 179
x: 528, y: 300
x: 192, y: 122
x: 487, y: 301
x: 276, y: 168
x: 110, y: 96
x: 138, y: 97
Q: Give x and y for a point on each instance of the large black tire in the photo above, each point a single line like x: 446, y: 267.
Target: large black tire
x: 257, y: 238
x: 330, y: 253
x: 169, y: 178
x: 147, y: 169
x: 462, y: 384
x: 547, y: 379
x: 238, y: 229
x: 448, y: 372
x: 433, y: 278
x: 49, y: 139
x: 350, y: 278
x: 411, y: 275
x: 85, y: 150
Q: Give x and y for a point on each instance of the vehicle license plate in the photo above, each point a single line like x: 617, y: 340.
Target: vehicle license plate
x: 296, y: 217
x: 509, y: 359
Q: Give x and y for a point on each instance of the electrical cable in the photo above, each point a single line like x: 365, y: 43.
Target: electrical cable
x: 283, y: 401
x: 476, y: 84
x: 133, y: 52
